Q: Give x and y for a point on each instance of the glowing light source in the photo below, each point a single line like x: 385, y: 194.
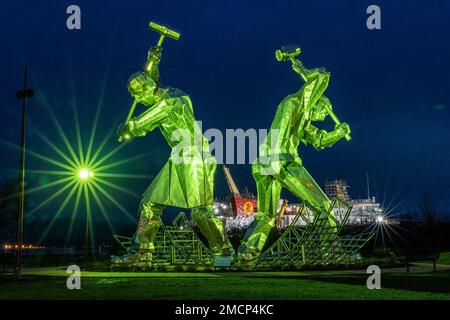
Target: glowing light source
x: 380, y: 219
x: 85, y: 174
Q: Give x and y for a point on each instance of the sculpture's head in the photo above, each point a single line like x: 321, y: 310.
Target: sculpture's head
x: 143, y: 88
x: 320, y: 109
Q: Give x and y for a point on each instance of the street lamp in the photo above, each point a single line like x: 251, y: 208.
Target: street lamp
x: 84, y: 174
x: 22, y: 95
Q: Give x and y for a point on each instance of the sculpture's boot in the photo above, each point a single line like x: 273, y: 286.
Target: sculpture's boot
x: 214, y: 230
x: 255, y: 238
x: 140, y: 253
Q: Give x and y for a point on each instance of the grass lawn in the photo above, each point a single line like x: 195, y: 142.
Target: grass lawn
x: 51, y: 284
x: 444, y: 258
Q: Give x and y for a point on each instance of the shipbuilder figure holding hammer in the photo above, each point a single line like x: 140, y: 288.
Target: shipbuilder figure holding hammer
x: 279, y: 166
x: 187, y: 179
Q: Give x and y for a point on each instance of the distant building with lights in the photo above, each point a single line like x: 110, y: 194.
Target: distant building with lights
x: 364, y: 211
x: 31, y: 249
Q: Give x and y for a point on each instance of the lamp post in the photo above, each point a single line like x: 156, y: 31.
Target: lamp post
x: 22, y: 95
x: 84, y: 174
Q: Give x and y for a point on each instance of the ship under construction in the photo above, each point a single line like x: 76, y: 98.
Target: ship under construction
x: 242, y: 207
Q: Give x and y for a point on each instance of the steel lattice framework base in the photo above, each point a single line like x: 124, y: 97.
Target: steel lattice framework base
x: 176, y: 244
x: 317, y: 243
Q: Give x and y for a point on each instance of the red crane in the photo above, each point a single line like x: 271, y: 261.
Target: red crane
x: 242, y: 206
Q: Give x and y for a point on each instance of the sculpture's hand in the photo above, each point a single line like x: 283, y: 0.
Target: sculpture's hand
x: 297, y: 66
x: 342, y: 129
x: 124, y: 131
x: 154, y: 54
x: 153, y: 59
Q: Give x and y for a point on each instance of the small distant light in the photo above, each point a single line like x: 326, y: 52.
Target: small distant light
x: 380, y: 219
x: 126, y: 136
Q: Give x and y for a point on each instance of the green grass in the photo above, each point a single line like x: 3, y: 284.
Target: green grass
x: 444, y: 258
x: 270, y: 285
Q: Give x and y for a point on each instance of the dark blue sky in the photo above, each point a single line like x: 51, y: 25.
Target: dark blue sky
x: 390, y: 85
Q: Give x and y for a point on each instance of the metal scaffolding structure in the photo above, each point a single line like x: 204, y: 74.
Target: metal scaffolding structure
x: 337, y: 188
x: 176, y: 244
x: 318, y: 243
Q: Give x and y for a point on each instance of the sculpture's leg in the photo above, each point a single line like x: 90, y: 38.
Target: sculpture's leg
x: 140, y: 252
x: 269, y: 190
x: 213, y: 229
x: 297, y: 180
x: 149, y: 223
x: 294, y: 177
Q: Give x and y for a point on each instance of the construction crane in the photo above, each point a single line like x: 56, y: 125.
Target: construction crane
x: 233, y: 188
x: 242, y: 206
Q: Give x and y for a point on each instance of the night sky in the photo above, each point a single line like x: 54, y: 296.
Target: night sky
x: 390, y: 85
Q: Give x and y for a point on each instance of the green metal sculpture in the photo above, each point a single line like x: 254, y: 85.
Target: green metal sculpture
x: 279, y: 166
x: 187, y: 179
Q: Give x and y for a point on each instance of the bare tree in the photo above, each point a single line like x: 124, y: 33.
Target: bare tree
x: 409, y: 216
x: 428, y: 209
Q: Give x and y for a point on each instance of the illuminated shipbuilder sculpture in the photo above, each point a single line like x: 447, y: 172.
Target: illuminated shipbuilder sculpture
x: 187, y: 179
x: 279, y: 166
